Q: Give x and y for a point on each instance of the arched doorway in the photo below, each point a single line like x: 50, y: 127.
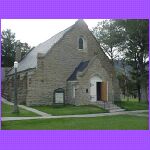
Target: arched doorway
x: 94, y: 81
x: 98, y: 89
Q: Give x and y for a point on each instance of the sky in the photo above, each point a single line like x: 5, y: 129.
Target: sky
x: 36, y: 31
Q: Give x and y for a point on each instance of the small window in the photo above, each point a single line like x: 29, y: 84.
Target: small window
x: 80, y: 43
x: 86, y: 90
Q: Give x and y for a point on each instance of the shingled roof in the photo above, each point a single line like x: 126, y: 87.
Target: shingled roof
x: 79, y: 68
x: 30, y: 60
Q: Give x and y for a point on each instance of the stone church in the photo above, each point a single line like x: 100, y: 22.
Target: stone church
x: 72, y: 61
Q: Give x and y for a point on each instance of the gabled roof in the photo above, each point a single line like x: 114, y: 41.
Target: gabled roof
x: 30, y: 60
x: 79, y: 68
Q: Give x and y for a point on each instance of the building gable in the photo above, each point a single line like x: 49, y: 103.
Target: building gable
x: 90, y: 46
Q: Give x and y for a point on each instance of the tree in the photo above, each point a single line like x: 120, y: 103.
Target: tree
x: 8, y: 48
x: 136, y: 52
x: 127, y: 85
x: 130, y: 38
x: 110, y: 37
x: 9, y: 44
x: 24, y: 48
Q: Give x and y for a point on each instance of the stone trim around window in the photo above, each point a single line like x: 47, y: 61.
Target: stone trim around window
x: 79, y: 42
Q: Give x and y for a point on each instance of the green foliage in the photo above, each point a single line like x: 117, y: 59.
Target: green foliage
x: 132, y: 105
x: 110, y: 37
x: 8, y: 48
x: 70, y: 109
x: 136, y: 53
x: 9, y: 44
x: 128, y: 39
x: 122, y: 122
x: 7, y: 112
x: 24, y: 47
x: 127, y: 85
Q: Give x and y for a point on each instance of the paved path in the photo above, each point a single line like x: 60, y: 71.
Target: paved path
x: 133, y: 113
x: 27, y: 108
x: 44, y: 115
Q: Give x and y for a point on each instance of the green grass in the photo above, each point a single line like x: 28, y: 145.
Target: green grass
x: 132, y: 105
x: 69, y: 109
x: 122, y: 122
x: 145, y: 113
x: 7, y: 112
x: 130, y: 99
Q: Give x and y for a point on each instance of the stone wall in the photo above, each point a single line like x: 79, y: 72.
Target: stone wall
x: 70, y: 99
x: 21, y: 88
x: 82, y: 96
x: 57, y: 65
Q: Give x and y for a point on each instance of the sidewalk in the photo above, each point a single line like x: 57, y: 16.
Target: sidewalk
x: 44, y: 115
x: 133, y: 113
x: 27, y: 108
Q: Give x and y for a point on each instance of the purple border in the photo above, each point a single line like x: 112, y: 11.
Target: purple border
x: 41, y: 140
x: 75, y: 9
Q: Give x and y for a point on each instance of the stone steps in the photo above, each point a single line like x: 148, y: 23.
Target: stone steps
x: 108, y: 106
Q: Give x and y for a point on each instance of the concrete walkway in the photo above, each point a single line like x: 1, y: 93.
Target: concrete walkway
x: 27, y: 108
x: 44, y: 115
x: 133, y: 113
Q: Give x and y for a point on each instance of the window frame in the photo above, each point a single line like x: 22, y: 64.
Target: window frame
x: 84, y: 43
x: 81, y: 43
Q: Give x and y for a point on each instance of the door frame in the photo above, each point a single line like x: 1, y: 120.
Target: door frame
x: 93, y: 87
x: 106, y: 87
x: 98, y: 91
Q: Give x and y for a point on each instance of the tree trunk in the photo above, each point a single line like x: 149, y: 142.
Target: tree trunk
x: 112, y: 55
x: 139, y: 92
x: 144, y: 94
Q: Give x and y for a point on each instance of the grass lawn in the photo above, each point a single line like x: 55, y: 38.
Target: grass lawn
x: 69, y: 109
x: 7, y: 112
x: 145, y: 113
x: 122, y: 122
x: 132, y: 105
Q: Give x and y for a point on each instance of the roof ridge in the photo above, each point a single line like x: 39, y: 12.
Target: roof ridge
x: 56, y: 34
x: 47, y: 45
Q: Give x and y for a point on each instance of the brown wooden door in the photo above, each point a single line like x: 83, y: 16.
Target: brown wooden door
x: 104, y: 91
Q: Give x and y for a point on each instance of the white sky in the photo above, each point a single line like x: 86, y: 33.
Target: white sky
x: 36, y: 31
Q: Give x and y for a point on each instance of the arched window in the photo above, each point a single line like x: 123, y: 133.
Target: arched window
x: 80, y: 43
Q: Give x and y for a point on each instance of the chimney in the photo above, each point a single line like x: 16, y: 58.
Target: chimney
x: 18, y: 54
